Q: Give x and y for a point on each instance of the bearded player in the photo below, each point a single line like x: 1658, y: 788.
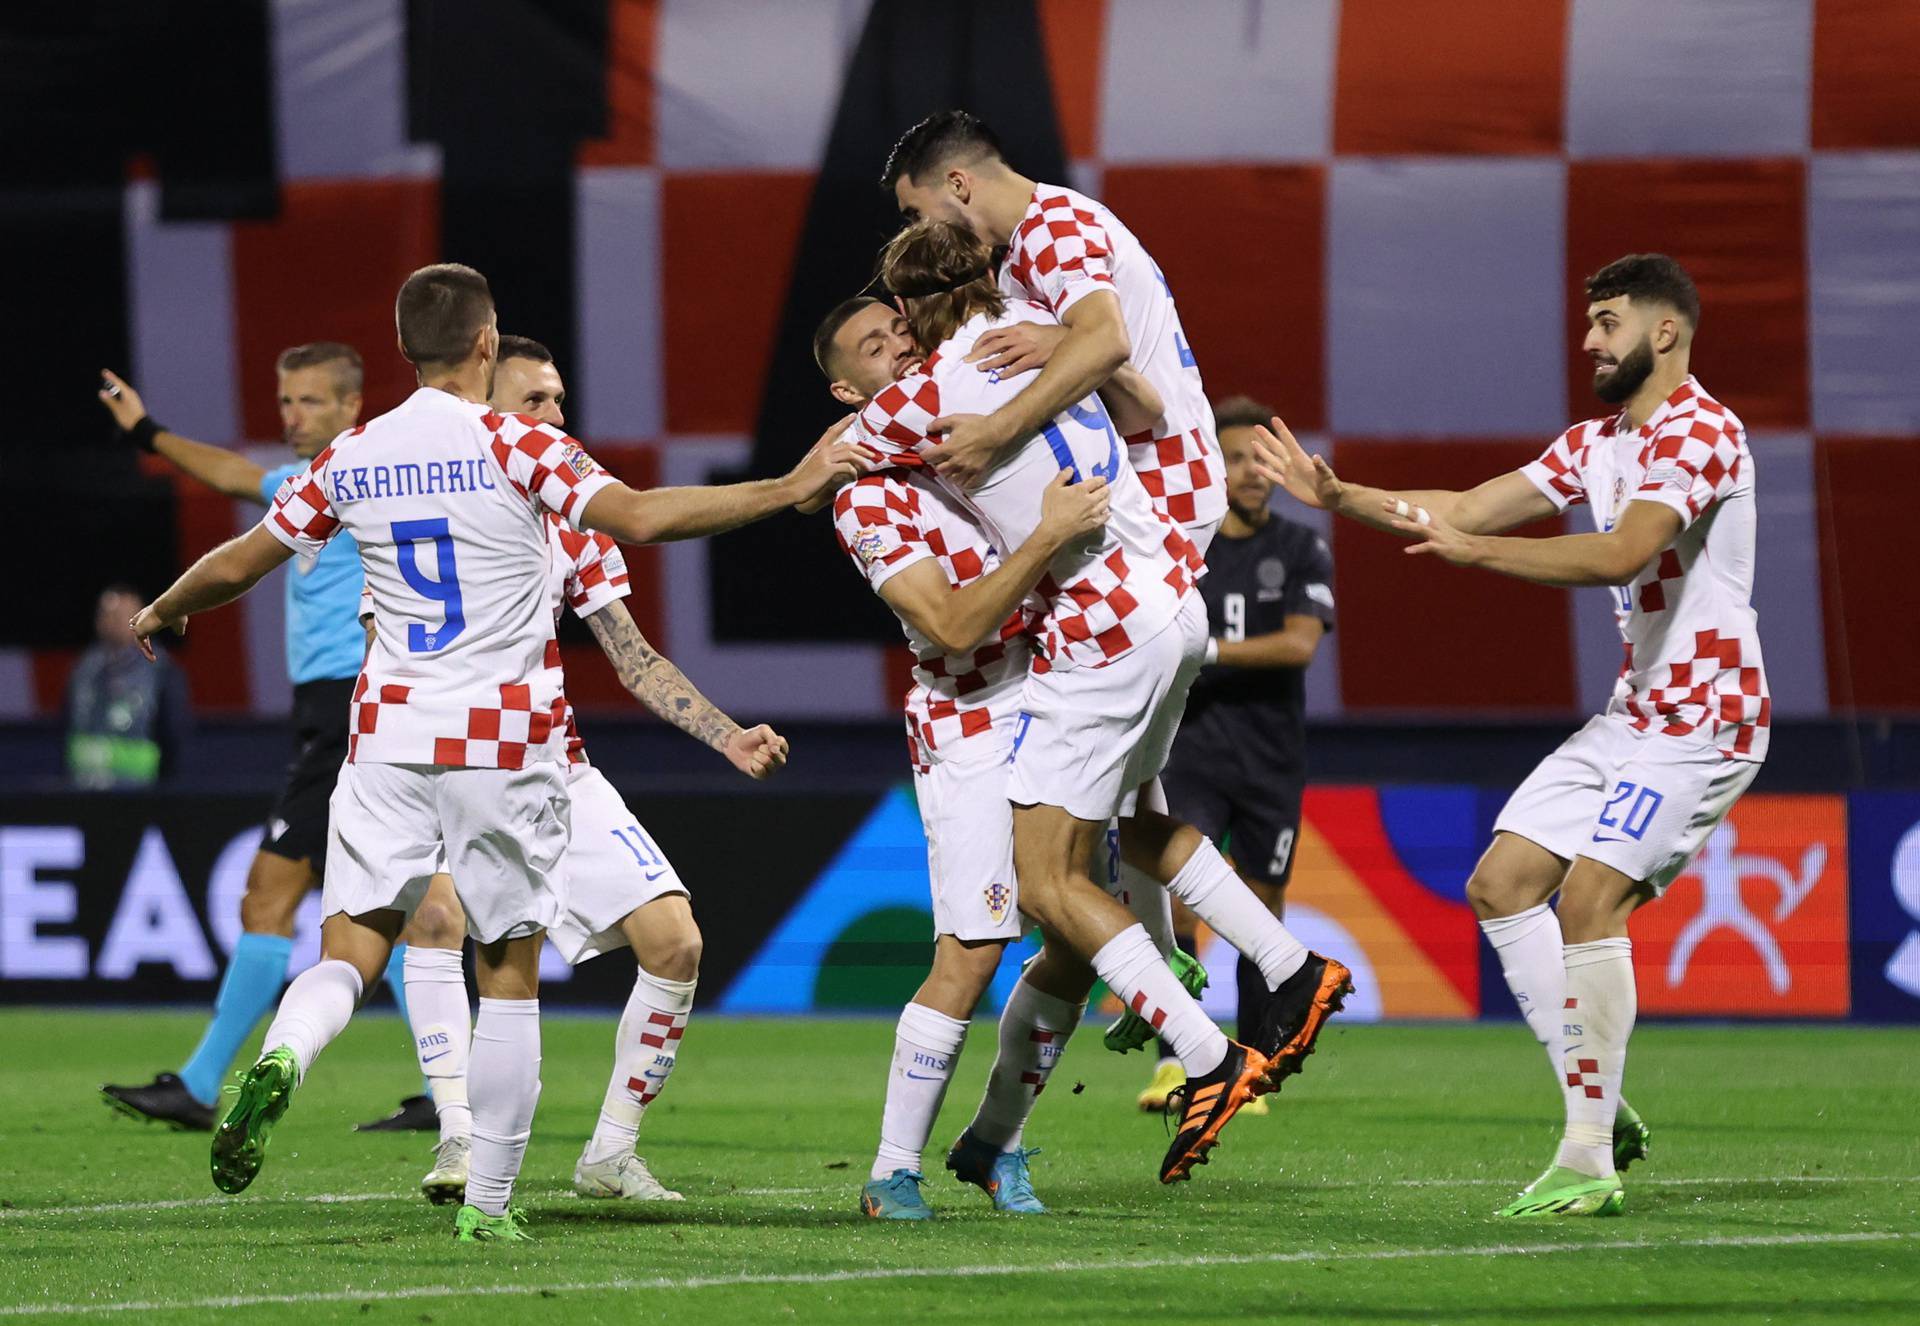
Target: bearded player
x: 1609, y: 819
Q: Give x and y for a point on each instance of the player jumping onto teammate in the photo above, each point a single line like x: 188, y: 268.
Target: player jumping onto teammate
x: 1610, y: 818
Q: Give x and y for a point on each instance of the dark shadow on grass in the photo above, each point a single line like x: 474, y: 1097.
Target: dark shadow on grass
x: 1791, y: 1309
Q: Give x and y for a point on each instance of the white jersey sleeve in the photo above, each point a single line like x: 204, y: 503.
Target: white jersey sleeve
x: 301, y: 516
x: 547, y: 466
x: 1696, y: 460
x: 1560, y: 472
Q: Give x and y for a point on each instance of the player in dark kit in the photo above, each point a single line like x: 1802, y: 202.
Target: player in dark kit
x: 1239, y: 764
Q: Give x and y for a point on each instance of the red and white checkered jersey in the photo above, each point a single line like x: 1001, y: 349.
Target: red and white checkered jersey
x: 447, y: 502
x: 1693, y: 644
x: 1104, y: 595
x: 898, y: 518
x: 587, y: 572
x: 1068, y: 246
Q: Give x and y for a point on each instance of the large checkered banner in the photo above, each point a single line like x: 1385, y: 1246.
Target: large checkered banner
x: 1375, y: 215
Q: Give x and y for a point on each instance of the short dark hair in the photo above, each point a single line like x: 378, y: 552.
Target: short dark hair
x: 936, y: 140
x: 349, y: 374
x: 1647, y: 278
x: 943, y: 273
x: 830, y: 327
x: 1240, y: 412
x: 440, y: 310
x: 523, y: 347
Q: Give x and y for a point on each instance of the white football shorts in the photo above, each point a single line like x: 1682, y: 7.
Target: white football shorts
x: 969, y: 826
x: 1639, y: 802
x: 613, y: 866
x: 505, y: 836
x: 1087, y: 738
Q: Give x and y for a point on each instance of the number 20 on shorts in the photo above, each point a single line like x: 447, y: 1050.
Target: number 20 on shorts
x: 1629, y: 810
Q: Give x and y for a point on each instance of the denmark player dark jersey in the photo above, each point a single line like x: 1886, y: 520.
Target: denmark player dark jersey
x: 1252, y: 585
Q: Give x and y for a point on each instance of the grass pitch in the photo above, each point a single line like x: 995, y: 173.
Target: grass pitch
x: 1784, y: 1186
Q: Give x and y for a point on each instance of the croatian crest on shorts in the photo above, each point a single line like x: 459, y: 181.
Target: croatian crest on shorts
x: 999, y: 901
x: 869, y: 544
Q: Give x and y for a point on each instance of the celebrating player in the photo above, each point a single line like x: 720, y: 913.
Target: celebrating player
x: 1610, y: 818
x: 1239, y: 765
x: 319, y: 388
x: 1109, y: 305
x: 621, y: 889
x: 962, y: 609
x: 458, y: 728
x: 1119, y: 641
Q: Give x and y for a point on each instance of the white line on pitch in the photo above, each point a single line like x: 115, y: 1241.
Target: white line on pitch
x: 950, y: 1272
x: 321, y: 1199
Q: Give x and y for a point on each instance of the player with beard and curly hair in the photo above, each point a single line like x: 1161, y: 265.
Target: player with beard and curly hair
x: 1609, y: 819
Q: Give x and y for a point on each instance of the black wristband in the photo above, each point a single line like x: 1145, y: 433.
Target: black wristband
x: 143, y: 432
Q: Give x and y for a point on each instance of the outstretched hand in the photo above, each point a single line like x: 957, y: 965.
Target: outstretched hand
x: 1280, y: 458
x: 757, y: 751
x: 121, y: 400
x: 1430, y: 533
x: 830, y: 462
x: 822, y: 499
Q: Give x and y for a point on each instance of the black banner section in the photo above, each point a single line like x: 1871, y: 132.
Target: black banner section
x: 508, y: 88
x: 136, y: 899
x: 912, y: 60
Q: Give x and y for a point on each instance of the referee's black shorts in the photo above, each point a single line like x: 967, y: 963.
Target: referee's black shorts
x: 1256, y: 818
x: 297, y: 824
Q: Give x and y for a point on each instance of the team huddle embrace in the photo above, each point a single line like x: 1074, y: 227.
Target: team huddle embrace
x: 1033, y: 480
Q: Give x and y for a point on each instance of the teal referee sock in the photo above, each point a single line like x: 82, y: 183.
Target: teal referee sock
x: 252, y: 982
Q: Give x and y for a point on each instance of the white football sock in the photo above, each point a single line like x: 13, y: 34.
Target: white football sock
x: 442, y: 1032
x: 1144, y: 896
x: 1133, y: 969
x: 644, y: 1049
x: 314, y: 1010
x: 1219, y: 897
x: 926, y: 1046
x: 1600, y: 1008
x: 1034, y: 1028
x: 1533, y: 960
x: 504, y: 1080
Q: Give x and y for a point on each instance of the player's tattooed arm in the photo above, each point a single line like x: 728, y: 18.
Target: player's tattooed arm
x: 651, y: 678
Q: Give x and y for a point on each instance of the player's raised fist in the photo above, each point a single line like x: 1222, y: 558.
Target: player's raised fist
x: 1021, y: 348
x: 1069, y: 510
x: 121, y: 400
x: 757, y: 751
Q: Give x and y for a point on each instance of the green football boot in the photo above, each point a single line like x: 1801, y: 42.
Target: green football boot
x: 1631, y: 1136
x: 1130, y: 1031
x: 472, y: 1225
x: 1567, y: 1192
x: 240, y: 1142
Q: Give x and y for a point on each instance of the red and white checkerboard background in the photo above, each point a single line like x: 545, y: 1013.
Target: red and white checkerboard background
x: 1374, y: 214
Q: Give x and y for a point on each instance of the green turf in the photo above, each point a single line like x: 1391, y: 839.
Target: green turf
x: 1367, y: 1196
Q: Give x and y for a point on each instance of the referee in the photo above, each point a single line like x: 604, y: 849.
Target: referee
x: 320, y: 388
x: 1239, y: 764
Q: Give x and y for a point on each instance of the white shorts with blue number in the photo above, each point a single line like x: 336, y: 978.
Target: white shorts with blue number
x: 613, y: 866
x: 1640, y: 802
